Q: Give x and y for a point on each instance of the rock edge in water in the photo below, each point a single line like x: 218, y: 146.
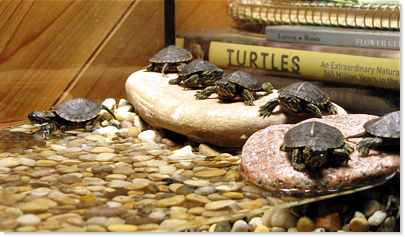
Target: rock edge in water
x: 265, y: 165
x: 208, y: 121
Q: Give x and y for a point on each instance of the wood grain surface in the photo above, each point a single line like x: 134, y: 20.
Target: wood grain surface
x: 55, y: 50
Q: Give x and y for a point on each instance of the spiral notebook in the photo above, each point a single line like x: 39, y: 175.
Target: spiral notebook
x: 340, y: 14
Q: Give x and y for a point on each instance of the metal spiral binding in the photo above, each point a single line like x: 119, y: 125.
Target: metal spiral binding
x: 353, y: 15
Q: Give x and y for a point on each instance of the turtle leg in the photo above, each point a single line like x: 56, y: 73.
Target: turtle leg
x: 364, y: 145
x: 192, y: 81
x: 314, y: 109
x: 175, y: 80
x: 204, y: 94
x: 47, y: 129
x: 109, y: 111
x: 267, y: 87
x: 341, y: 155
x: 248, y: 97
x: 266, y: 109
x: 296, y: 158
x: 150, y: 67
x: 165, y: 67
x: 330, y: 108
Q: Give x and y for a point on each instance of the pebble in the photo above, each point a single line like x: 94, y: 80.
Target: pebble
x: 330, y: 222
x: 216, y: 205
x: 388, y: 225
x: 240, y: 226
x: 108, y: 131
x: 359, y: 224
x: 38, y: 205
x: 255, y: 222
x: 370, y: 207
x: 122, y: 228
x: 305, y: 224
x: 151, y: 135
x: 28, y: 219
x: 197, y: 183
x: 95, y: 228
x: 9, y: 162
x: 172, y: 201
x: 282, y: 218
x: 210, y: 173
x: 206, y: 150
x: 377, y: 218
x: 223, y: 226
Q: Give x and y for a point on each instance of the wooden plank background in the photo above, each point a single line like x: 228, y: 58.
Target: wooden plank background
x: 53, y: 50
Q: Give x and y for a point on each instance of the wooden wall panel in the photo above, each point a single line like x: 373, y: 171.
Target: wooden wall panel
x: 141, y: 35
x: 44, y: 44
x: 54, y: 50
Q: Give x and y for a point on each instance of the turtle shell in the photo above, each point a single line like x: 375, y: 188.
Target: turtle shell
x: 318, y: 136
x: 198, y: 65
x: 78, y: 110
x: 306, y: 91
x: 171, y: 54
x: 388, y: 126
x: 243, y: 79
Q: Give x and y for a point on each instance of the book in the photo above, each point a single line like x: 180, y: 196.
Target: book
x: 363, y: 38
x: 234, y: 49
x: 375, y: 15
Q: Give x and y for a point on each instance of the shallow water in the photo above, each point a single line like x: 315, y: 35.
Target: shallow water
x: 155, y: 186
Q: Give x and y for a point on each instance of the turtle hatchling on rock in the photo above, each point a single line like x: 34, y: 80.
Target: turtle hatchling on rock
x: 168, y: 59
x: 198, y: 73
x: 236, y: 85
x: 72, y: 113
x: 315, y: 144
x: 300, y: 97
x: 380, y: 131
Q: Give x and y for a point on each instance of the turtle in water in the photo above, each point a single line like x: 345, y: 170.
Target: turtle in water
x: 380, y: 131
x: 77, y: 112
x: 198, y: 73
x: 300, y: 97
x: 315, y: 144
x: 236, y: 85
x: 168, y: 59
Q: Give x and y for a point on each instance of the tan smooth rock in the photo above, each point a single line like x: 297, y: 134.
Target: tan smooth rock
x: 209, y: 121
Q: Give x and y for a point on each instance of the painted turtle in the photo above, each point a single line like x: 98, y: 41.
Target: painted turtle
x: 314, y: 144
x: 72, y: 113
x: 300, y: 97
x: 168, y: 59
x: 236, y: 85
x: 380, y: 131
x: 198, y: 73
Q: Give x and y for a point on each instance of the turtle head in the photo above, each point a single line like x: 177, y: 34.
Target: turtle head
x: 313, y: 159
x: 226, y: 89
x: 41, y: 116
x: 209, y: 77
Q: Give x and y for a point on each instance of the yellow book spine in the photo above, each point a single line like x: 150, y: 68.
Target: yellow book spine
x: 341, y: 68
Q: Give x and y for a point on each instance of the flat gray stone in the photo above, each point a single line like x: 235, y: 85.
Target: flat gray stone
x: 264, y: 164
x: 211, y: 121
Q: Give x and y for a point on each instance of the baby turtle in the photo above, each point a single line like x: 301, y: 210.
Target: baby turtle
x: 381, y: 131
x: 300, y: 97
x: 237, y: 85
x: 72, y: 113
x: 198, y: 73
x: 168, y: 59
x: 314, y: 144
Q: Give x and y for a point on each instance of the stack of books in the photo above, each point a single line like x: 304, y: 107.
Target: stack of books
x: 351, y: 50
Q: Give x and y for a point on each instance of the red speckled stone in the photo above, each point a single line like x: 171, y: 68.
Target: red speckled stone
x: 264, y: 164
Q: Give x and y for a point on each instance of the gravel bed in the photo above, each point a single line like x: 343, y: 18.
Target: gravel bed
x: 139, y: 179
